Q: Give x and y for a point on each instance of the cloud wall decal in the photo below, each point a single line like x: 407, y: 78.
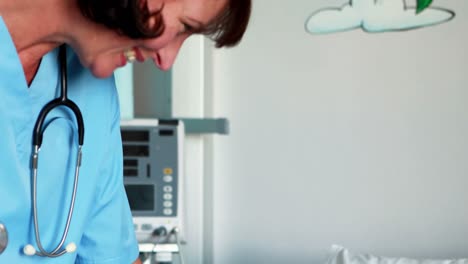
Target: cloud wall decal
x: 374, y: 16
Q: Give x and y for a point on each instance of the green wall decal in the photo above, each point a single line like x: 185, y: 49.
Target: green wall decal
x: 422, y: 4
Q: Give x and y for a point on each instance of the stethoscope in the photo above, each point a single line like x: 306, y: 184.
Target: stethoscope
x: 37, y: 142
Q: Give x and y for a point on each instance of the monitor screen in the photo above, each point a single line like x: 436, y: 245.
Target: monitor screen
x: 140, y: 197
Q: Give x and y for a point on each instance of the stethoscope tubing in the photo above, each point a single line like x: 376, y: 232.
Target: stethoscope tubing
x: 42, y: 251
x: 37, y: 136
x: 62, y: 100
x: 37, y: 142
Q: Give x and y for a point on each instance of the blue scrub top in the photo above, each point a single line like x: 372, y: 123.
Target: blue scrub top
x: 101, y: 226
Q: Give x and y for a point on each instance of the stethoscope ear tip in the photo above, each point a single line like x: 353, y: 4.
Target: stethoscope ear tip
x: 29, y: 250
x: 70, y: 248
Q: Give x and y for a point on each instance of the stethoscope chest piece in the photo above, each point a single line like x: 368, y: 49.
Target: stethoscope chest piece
x: 3, y: 238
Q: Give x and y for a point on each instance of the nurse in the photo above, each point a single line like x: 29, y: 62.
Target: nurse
x: 101, y: 35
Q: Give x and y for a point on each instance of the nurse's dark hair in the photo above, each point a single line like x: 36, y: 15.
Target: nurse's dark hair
x: 131, y: 18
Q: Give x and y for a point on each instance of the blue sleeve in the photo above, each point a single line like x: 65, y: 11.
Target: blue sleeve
x: 109, y: 236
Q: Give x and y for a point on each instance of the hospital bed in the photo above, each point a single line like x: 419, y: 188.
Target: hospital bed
x: 341, y: 255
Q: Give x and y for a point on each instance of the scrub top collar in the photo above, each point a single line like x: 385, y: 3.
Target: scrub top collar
x: 42, y: 88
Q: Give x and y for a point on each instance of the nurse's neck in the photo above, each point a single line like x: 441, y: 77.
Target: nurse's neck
x: 30, y: 66
x: 34, y: 27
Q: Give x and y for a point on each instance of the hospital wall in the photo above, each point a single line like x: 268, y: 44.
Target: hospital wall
x: 354, y: 138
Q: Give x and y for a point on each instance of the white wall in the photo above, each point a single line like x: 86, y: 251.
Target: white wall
x: 191, y: 99
x: 353, y: 138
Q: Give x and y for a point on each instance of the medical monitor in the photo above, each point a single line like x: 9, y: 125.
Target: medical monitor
x: 153, y: 174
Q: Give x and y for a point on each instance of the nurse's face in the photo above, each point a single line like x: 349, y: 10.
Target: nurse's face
x: 105, y: 53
